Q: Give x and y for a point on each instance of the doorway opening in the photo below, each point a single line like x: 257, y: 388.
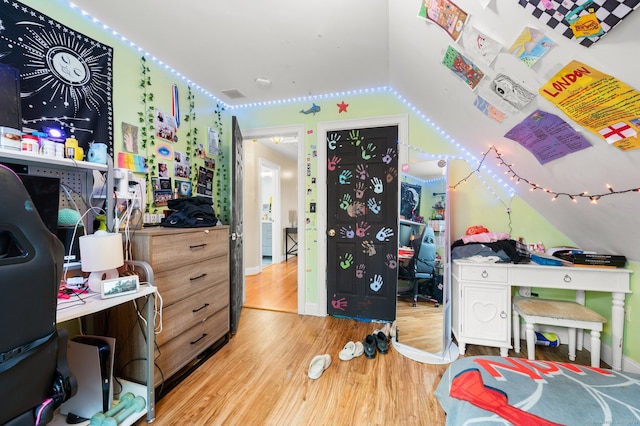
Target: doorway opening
x: 274, y: 177
x: 269, y: 206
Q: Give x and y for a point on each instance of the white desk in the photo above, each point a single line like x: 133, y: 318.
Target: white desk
x: 481, y: 308
x: 74, y: 308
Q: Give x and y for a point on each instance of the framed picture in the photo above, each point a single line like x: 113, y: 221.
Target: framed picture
x: 183, y: 187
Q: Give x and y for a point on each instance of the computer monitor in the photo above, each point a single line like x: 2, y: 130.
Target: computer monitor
x: 45, y: 194
x: 404, y: 235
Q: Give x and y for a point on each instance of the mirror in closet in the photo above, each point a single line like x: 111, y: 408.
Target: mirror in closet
x: 423, y: 330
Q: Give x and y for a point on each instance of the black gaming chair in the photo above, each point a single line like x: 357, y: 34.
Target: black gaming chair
x: 34, y: 378
x: 421, y: 269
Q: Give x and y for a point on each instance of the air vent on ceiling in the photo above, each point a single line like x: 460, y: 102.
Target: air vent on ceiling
x: 233, y: 94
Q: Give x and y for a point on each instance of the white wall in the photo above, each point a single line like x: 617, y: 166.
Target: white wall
x: 253, y: 152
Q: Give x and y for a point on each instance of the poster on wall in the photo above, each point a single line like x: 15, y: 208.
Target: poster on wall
x: 65, y: 76
x: 574, y: 18
x: 599, y: 102
x: 205, y: 182
x: 446, y: 15
x: 547, y: 136
x: 410, y: 202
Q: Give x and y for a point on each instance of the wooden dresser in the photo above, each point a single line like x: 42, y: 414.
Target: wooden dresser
x: 191, y: 272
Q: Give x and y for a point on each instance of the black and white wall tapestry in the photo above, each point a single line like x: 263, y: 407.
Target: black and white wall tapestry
x: 66, y: 77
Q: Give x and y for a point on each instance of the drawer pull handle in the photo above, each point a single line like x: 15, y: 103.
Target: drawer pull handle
x: 567, y: 278
x: 198, y: 277
x: 503, y: 314
x: 484, y: 274
x: 200, y: 308
x: 198, y: 246
x: 199, y: 338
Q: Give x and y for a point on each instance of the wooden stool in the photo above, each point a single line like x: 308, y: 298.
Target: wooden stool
x: 560, y: 313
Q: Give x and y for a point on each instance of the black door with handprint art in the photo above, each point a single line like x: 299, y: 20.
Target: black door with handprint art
x: 362, y: 217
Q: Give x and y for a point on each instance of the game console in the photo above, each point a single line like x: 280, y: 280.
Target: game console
x: 91, y: 362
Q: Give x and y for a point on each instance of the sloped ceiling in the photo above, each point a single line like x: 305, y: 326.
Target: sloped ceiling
x: 315, y: 47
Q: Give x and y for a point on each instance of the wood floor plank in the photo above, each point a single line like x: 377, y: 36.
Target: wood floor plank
x: 260, y: 376
x: 275, y: 288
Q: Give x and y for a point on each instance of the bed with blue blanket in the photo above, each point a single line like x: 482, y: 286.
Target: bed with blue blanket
x: 502, y: 390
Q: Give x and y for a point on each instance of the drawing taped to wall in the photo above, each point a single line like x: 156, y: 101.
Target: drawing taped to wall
x: 446, y: 14
x: 462, y: 67
x: 514, y: 93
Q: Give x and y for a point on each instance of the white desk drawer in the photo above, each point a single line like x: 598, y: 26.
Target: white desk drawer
x: 557, y: 277
x: 484, y: 273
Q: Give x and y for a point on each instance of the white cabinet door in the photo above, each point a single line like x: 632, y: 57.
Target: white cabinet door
x: 485, y: 314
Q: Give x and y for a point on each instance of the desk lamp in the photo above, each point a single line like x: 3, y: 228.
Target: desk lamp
x: 101, y: 255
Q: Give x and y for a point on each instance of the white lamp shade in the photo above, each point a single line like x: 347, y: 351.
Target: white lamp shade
x: 101, y: 251
x: 101, y: 254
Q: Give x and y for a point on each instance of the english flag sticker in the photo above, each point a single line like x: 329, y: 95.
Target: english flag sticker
x: 617, y: 132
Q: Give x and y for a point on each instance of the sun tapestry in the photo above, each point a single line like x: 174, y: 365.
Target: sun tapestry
x: 66, y: 77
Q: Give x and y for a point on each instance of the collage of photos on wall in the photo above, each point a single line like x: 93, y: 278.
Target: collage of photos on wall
x: 172, y: 176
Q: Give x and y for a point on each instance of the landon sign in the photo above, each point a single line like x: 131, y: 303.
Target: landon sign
x: 599, y: 102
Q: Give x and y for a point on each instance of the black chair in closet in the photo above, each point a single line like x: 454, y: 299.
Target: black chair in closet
x: 420, y: 271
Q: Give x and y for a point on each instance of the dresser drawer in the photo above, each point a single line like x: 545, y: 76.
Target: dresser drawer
x: 484, y: 273
x: 178, y: 352
x: 187, y: 313
x: 166, y: 248
x: 185, y: 281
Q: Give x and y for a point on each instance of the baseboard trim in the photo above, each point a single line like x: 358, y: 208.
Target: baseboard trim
x: 252, y: 271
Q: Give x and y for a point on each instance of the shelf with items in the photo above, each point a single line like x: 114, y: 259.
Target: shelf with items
x: 93, y: 303
x: 411, y: 223
x: 76, y: 176
x: 20, y: 157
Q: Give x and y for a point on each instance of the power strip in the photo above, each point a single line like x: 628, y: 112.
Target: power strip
x: 152, y: 218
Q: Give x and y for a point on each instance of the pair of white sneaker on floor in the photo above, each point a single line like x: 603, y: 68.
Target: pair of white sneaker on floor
x: 320, y: 363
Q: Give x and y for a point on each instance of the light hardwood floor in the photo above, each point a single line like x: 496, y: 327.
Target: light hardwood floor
x: 275, y: 288
x: 260, y: 378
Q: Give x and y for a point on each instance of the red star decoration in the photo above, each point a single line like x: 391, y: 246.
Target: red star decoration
x: 342, y: 107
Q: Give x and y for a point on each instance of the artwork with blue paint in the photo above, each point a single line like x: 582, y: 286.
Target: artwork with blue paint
x: 314, y: 108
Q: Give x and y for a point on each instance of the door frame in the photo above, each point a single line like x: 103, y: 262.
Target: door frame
x: 276, y: 237
x: 299, y: 131
x: 400, y: 120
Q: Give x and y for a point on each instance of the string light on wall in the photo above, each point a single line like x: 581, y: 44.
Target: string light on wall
x: 593, y: 198
x: 147, y: 54
x: 320, y: 97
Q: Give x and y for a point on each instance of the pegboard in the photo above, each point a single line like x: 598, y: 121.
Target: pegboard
x: 79, y: 186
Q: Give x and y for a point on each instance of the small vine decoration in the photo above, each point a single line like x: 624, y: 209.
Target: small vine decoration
x: 192, y: 135
x: 145, y: 118
x: 222, y: 176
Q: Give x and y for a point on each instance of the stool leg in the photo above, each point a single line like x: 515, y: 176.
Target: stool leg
x: 595, y: 348
x: 516, y: 332
x: 579, y: 339
x: 572, y: 343
x: 531, y: 342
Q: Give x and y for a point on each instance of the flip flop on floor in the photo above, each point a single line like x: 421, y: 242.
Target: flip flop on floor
x: 319, y: 363
x: 351, y: 350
